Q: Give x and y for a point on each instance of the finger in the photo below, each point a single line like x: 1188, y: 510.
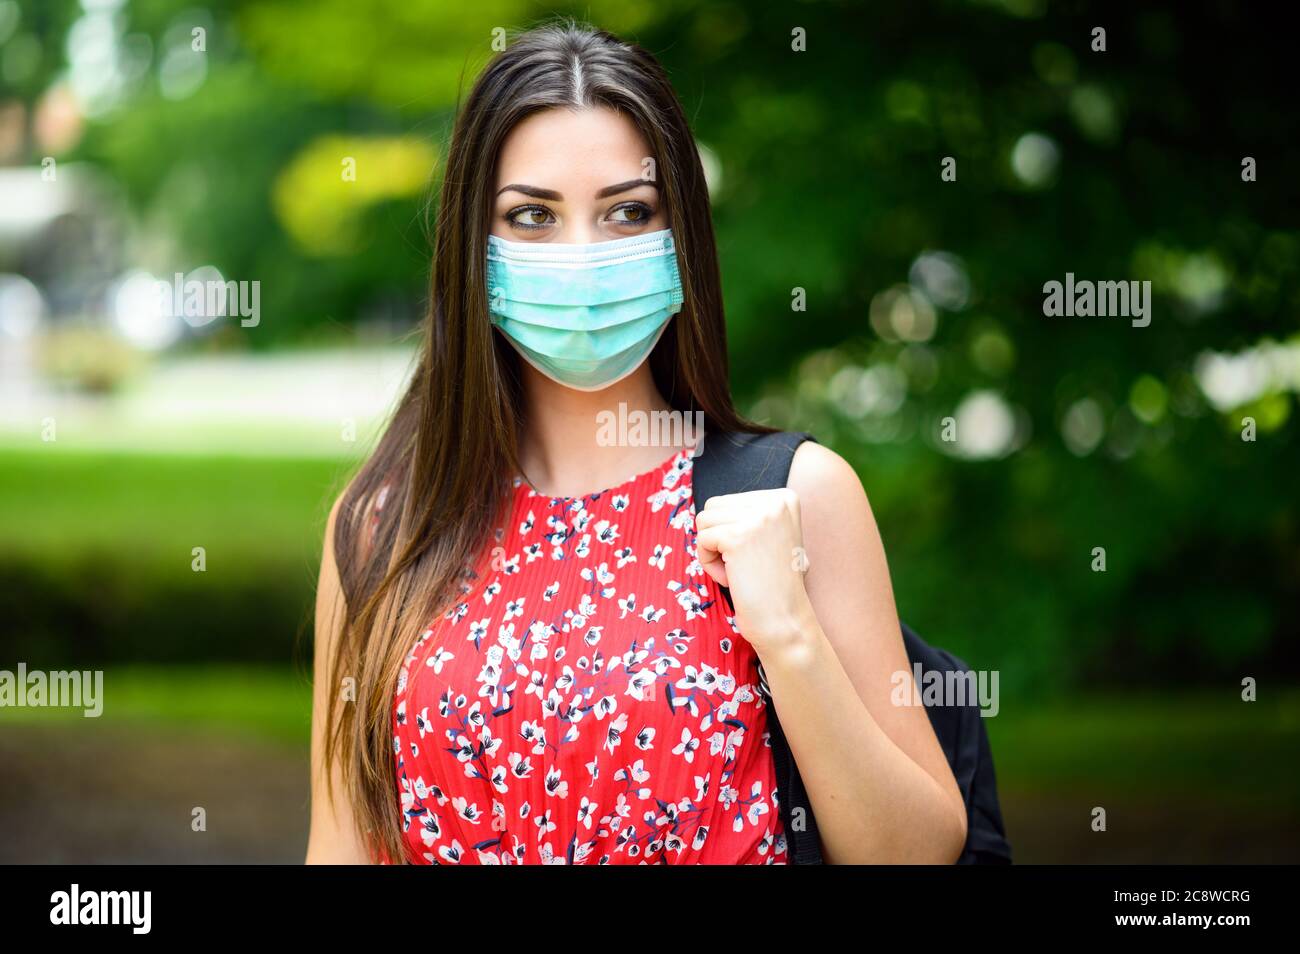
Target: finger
x: 708, y: 518
x: 718, y: 570
x: 733, y: 504
x: 708, y: 552
x: 731, y: 500
x: 722, y: 536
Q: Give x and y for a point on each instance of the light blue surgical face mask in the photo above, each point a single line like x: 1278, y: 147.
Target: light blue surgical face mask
x: 585, y: 316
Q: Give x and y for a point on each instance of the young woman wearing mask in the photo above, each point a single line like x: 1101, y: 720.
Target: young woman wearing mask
x: 522, y: 652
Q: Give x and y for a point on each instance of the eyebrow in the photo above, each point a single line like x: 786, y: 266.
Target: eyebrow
x: 552, y: 195
x: 624, y: 187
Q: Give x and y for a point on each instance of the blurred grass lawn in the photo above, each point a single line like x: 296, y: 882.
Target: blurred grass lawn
x: 56, y: 505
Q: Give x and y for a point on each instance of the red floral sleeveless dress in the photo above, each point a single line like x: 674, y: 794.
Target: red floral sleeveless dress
x: 588, y: 700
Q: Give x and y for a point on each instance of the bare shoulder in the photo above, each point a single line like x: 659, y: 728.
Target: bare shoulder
x: 839, y: 531
x: 826, y: 484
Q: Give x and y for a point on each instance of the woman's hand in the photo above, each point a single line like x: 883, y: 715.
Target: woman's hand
x: 752, y: 543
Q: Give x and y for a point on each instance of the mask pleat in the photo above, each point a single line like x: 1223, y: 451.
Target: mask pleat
x: 585, y: 315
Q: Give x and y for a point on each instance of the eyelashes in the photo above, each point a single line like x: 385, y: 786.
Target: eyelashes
x: 531, y: 209
x: 641, y: 211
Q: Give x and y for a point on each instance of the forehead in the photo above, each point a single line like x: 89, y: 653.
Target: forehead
x: 597, y: 145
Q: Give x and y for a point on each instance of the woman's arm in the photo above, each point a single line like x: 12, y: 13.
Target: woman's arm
x: 334, y: 838
x: 831, y: 646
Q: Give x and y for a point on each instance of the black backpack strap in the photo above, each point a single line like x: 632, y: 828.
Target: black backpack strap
x: 733, y: 463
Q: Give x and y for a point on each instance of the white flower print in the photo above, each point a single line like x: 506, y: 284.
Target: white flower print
x: 692, y: 602
x: 705, y: 678
x: 536, y: 685
x: 555, y: 784
x: 429, y: 830
x: 687, y: 746
x: 464, y: 748
x: 487, y: 743
x: 520, y: 765
x: 475, y: 715
x: 600, y: 574
x: 535, y: 734
x: 467, y: 810
x: 652, y: 615
x: 580, y: 516
x: 544, y: 824
x: 478, y: 630
x: 516, y: 721
x: 551, y: 704
x: 757, y: 807
x: 639, y: 682
x: 682, y: 520
x: 451, y: 853
x: 614, y: 732
x: 439, y: 659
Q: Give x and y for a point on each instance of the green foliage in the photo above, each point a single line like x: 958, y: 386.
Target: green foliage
x: 827, y: 180
x: 271, y: 702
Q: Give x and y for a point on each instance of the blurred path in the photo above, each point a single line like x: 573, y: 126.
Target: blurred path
x: 117, y: 795
x: 98, y: 794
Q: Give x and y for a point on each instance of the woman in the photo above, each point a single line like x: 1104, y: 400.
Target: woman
x: 522, y: 655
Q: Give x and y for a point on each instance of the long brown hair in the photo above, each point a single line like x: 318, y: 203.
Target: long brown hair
x: 421, y: 509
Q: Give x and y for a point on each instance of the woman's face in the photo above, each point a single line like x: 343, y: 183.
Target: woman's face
x: 576, y: 177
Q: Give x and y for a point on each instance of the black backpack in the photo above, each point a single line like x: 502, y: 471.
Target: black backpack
x: 732, y: 463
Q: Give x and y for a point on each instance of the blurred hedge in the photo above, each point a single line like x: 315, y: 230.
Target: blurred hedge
x: 96, y: 556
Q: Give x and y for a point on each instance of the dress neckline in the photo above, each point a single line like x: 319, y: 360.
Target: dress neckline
x: 522, y: 484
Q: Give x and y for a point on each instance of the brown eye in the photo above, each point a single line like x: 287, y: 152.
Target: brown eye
x: 530, y: 217
x: 633, y: 213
